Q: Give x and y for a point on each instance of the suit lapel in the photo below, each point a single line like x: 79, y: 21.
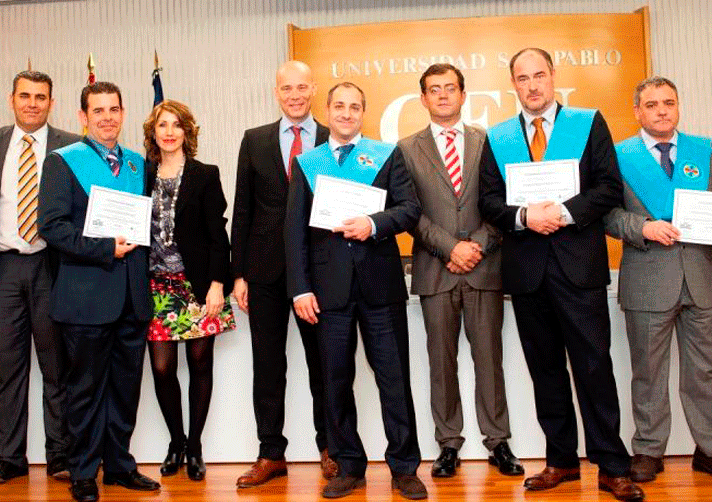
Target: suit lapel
x: 52, y: 139
x: 427, y: 145
x: 187, y: 185
x: 468, y: 162
x: 322, y: 134
x: 4, y: 145
x: 277, y: 153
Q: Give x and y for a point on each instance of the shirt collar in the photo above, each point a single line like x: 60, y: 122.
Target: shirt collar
x: 650, y: 142
x: 437, y: 129
x: 308, y: 124
x: 40, y: 135
x: 549, y: 115
x: 103, y: 151
x: 333, y: 144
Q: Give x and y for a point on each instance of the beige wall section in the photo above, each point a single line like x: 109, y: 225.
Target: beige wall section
x: 219, y: 56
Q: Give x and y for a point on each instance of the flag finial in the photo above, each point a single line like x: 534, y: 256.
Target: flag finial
x: 29, y: 64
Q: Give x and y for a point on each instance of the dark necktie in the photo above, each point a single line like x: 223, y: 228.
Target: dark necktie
x: 296, y: 148
x: 665, y: 161
x: 113, y: 162
x: 344, y: 151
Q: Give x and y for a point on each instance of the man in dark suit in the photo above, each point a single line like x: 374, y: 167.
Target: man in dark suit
x: 258, y: 260
x: 555, y: 266
x: 100, y: 297
x: 25, y: 281
x: 353, y: 274
x: 456, y: 272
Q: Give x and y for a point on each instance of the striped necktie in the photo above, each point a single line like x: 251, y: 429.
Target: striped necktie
x: 344, y: 151
x: 452, y: 161
x: 27, y: 188
x: 113, y: 162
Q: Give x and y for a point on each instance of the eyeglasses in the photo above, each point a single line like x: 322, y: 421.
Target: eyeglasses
x: 436, y: 90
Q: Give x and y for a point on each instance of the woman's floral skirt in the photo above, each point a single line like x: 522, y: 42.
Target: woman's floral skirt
x: 177, y: 315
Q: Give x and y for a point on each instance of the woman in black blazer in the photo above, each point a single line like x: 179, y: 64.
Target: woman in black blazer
x: 189, y: 263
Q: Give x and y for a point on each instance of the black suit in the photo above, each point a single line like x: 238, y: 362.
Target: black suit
x: 558, y: 286
x: 25, y: 284
x: 103, y: 306
x: 362, y: 282
x: 258, y: 257
x: 199, y: 229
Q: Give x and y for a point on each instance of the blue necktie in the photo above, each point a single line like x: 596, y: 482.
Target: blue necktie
x: 665, y: 161
x: 344, y: 151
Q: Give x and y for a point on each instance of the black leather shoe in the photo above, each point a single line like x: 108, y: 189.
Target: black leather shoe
x: 174, y: 459
x: 195, y: 466
x: 503, y: 458
x: 701, y: 462
x: 446, y: 464
x: 9, y: 471
x: 58, y: 468
x: 133, y: 480
x: 84, y: 490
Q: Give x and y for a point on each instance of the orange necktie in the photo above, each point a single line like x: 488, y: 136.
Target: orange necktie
x: 538, y: 146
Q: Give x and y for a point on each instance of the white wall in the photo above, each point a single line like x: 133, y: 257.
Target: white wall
x: 220, y: 56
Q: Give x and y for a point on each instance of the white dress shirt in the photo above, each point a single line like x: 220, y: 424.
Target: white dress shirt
x: 9, y: 233
x: 650, y: 143
x: 441, y: 141
x: 286, y: 137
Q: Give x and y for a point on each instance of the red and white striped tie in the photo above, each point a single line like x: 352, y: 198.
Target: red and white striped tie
x: 452, y: 160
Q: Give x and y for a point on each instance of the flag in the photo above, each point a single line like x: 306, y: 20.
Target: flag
x: 157, y: 86
x: 90, y: 66
x: 29, y: 64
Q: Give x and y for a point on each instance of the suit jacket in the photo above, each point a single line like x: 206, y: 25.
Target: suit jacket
x: 200, y: 226
x: 447, y: 218
x: 91, y: 285
x: 56, y: 138
x: 651, y: 274
x: 260, y: 205
x: 324, y: 263
x: 580, y: 248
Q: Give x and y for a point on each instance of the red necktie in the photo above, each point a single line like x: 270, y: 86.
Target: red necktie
x: 296, y: 148
x: 452, y: 161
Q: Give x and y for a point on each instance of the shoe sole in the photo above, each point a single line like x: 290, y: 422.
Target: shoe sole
x: 564, y: 479
x: 434, y: 475
x: 700, y: 468
x: 607, y: 489
x: 417, y: 496
x: 119, y: 483
x: 493, y: 461
x: 359, y: 484
x: 61, y: 475
x: 276, y: 474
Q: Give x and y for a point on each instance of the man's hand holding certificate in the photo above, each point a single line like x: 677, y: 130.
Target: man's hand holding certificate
x: 532, y: 182
x: 112, y: 213
x: 692, y: 216
x: 338, y: 203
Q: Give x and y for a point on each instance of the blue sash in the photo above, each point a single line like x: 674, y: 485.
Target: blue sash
x: 649, y: 181
x: 90, y: 169
x: 362, y: 165
x: 568, y: 138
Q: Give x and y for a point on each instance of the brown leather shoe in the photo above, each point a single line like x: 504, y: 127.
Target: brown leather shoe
x: 262, y: 471
x: 410, y: 486
x: 340, y: 486
x: 621, y: 487
x: 551, y: 477
x: 701, y: 462
x: 644, y: 468
x: 329, y: 467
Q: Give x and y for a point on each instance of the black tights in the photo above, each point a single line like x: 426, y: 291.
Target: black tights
x: 164, y: 361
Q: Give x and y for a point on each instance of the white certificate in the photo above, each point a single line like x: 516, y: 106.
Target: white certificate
x: 692, y: 215
x: 336, y: 200
x: 112, y: 213
x: 531, y: 182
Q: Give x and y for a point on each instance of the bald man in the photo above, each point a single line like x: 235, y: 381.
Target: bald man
x: 258, y: 266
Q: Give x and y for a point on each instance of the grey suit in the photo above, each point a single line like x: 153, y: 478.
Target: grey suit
x: 446, y: 298
x: 661, y: 287
x: 25, y: 283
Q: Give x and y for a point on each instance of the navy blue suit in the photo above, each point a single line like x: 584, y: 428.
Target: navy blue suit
x: 103, y: 306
